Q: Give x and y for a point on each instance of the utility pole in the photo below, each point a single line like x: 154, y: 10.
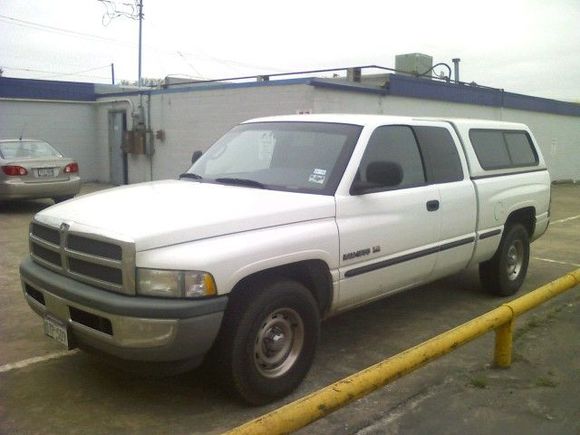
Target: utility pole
x: 113, y: 73
x: 112, y: 12
x: 140, y: 14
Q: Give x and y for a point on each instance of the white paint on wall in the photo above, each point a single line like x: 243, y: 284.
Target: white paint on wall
x: 194, y: 119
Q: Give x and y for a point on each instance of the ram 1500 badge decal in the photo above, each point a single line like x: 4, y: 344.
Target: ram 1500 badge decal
x: 360, y: 253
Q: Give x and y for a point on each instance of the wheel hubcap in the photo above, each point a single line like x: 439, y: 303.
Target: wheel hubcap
x: 278, y: 342
x: 514, y: 260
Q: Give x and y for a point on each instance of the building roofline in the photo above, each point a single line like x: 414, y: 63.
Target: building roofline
x: 398, y: 85
x: 405, y: 86
x: 46, y: 90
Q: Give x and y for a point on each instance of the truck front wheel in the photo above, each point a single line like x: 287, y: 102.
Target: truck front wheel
x: 268, y: 340
x: 505, y: 272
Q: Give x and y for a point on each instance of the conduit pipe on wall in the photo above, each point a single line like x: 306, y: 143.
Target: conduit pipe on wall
x: 119, y: 100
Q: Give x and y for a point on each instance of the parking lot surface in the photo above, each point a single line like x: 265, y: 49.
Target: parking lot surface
x: 46, y: 390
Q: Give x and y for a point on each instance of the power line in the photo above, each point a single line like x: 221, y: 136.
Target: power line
x: 179, y: 53
x: 54, y: 74
x: 37, y: 26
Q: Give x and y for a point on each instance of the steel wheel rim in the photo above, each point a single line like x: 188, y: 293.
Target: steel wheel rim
x: 278, y: 343
x: 514, y: 260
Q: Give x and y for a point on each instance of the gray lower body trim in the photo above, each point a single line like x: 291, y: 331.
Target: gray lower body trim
x: 178, y: 333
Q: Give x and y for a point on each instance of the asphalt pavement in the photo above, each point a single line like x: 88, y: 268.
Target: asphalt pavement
x: 46, y: 390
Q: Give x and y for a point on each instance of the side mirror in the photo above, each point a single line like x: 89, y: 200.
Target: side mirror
x: 380, y: 175
x: 385, y: 174
x: 195, y: 156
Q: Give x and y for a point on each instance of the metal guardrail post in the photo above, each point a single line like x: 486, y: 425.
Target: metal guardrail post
x: 318, y: 404
x: 504, y: 333
x: 503, y: 345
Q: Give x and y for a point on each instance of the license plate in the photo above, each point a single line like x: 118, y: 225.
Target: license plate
x: 46, y: 172
x: 57, y: 330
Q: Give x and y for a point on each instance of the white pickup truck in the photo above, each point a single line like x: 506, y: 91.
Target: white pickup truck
x: 281, y: 223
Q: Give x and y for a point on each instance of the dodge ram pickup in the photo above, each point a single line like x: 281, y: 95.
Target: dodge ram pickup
x: 285, y: 221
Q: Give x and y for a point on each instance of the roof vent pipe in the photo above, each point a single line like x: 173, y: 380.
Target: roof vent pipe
x: 456, y: 68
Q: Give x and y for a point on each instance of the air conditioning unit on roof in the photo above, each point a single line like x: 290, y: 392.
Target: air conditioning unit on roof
x: 413, y: 63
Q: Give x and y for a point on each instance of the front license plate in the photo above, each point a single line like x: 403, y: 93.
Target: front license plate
x: 57, y: 330
x: 46, y: 172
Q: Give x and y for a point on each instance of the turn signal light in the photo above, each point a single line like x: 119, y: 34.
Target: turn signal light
x: 71, y: 168
x: 14, y: 171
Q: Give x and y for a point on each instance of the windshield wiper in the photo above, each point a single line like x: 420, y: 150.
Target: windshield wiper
x: 190, y: 175
x: 241, y: 182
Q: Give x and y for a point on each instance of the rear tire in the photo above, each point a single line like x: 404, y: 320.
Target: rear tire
x: 268, y: 340
x: 505, y: 272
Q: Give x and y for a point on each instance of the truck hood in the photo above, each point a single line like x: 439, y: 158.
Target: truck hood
x: 168, y: 212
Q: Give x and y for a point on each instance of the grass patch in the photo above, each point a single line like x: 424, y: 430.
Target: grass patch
x: 479, y: 382
x: 546, y: 382
x: 534, y: 322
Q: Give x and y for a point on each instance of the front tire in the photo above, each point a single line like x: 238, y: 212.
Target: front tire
x: 505, y: 272
x: 268, y: 339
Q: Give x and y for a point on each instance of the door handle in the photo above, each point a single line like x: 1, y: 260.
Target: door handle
x: 433, y: 205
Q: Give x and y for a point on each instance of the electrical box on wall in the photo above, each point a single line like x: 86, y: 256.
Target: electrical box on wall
x: 138, y: 142
x: 134, y: 142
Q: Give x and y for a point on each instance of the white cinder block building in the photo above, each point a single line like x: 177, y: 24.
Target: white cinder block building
x: 89, y: 124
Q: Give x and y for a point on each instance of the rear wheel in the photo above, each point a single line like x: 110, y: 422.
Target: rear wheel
x: 505, y: 272
x: 268, y: 340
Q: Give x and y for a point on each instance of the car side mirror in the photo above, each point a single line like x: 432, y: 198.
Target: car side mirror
x: 380, y: 175
x: 195, y: 156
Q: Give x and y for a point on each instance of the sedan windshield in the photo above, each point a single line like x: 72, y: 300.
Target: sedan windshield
x: 294, y: 156
x: 27, y: 149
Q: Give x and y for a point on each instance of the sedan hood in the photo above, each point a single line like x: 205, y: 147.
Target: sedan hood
x: 164, y: 213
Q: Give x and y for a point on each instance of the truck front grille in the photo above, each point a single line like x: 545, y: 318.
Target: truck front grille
x: 90, y: 258
x: 52, y: 257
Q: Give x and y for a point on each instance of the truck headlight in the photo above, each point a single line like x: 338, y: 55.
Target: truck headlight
x: 175, y: 283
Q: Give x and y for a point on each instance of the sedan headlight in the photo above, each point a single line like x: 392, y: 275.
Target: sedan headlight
x: 175, y: 283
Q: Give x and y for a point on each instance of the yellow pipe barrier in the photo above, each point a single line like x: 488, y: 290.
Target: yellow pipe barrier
x: 304, y: 411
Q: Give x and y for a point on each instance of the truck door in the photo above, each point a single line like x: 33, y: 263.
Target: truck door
x: 388, y: 233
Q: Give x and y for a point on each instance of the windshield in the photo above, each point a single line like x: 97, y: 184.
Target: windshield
x: 27, y: 149
x: 295, y: 156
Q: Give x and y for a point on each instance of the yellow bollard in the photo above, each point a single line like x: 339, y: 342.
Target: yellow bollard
x: 503, y: 345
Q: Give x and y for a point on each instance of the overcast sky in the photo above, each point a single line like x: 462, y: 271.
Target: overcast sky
x: 526, y: 46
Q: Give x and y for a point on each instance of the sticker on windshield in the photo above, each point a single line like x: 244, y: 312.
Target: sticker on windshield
x: 318, y: 176
x: 266, y: 147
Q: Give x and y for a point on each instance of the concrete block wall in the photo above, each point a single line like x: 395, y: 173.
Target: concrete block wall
x: 195, y: 120
x: 70, y: 126
x: 559, y: 138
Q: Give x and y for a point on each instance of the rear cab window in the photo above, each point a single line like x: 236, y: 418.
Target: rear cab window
x: 503, y: 149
